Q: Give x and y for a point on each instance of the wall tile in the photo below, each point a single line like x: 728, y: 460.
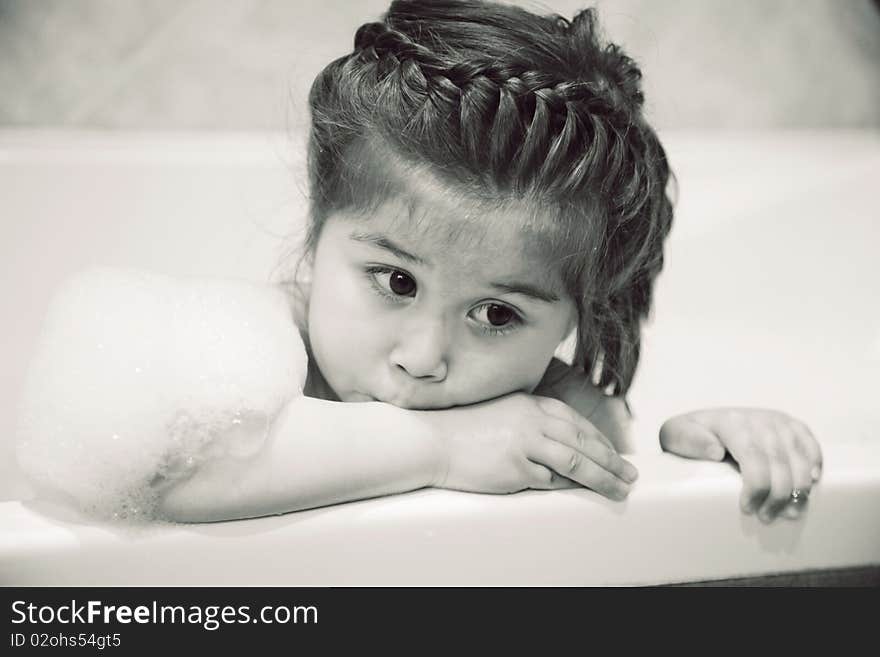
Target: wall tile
x: 247, y: 64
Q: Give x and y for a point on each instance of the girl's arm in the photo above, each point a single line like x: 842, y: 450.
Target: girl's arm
x: 322, y: 452
x: 610, y: 415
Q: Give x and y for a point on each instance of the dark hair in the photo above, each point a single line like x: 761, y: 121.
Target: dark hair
x: 503, y: 105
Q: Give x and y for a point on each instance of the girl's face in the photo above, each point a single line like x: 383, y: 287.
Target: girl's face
x: 442, y: 310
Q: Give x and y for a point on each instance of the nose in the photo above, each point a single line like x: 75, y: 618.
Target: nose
x: 421, y: 350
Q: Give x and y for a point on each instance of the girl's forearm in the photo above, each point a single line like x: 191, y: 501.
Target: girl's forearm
x: 319, y: 453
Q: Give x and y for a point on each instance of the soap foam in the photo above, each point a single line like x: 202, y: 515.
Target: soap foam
x: 139, y: 378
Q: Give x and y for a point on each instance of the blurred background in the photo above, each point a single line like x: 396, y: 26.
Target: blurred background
x: 247, y: 64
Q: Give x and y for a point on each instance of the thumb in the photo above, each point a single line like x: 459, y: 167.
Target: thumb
x: 686, y: 437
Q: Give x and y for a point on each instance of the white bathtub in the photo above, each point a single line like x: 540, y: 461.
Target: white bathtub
x: 770, y: 297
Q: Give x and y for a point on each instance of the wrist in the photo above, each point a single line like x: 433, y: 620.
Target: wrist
x: 440, y: 443
x: 424, y: 432
x: 437, y: 436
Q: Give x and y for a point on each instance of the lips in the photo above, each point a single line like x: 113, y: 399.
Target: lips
x: 371, y: 398
x: 400, y: 402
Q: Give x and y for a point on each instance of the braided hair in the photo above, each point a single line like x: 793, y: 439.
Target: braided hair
x: 505, y: 106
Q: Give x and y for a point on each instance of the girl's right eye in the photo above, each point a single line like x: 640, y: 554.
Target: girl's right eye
x: 392, y: 283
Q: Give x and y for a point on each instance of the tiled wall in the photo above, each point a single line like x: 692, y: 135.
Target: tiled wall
x: 247, y: 64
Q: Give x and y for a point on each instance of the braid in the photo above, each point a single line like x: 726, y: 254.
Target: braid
x: 378, y: 42
x: 508, y: 105
x: 532, y: 117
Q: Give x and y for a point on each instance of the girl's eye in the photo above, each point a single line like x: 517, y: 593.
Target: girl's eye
x: 392, y: 282
x: 496, y: 318
x: 401, y: 284
x: 498, y: 315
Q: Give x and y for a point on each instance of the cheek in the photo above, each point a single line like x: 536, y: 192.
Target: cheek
x: 488, y: 373
x: 345, y: 330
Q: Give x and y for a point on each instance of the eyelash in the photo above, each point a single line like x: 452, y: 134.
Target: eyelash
x: 378, y: 289
x: 371, y: 272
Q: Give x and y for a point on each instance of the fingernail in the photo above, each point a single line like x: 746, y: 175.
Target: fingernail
x: 765, y: 516
x: 816, y: 472
x: 792, y: 512
x: 630, y: 473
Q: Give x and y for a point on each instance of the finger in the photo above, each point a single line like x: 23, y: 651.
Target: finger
x: 687, y: 437
x: 572, y: 464
x: 540, y: 476
x: 810, y: 446
x: 801, y: 476
x: 754, y: 465
x: 601, y: 438
x: 586, y: 441
x: 563, y: 411
x: 543, y: 478
x: 781, y: 479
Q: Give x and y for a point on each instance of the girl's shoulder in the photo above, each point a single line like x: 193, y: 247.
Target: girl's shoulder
x: 612, y: 416
x: 136, y: 376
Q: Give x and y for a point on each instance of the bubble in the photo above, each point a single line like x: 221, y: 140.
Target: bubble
x: 138, y: 379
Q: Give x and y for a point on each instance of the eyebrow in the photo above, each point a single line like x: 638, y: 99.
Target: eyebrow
x: 524, y: 289
x: 384, y: 243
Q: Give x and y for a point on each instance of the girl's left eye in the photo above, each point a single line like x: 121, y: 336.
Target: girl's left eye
x: 496, y: 318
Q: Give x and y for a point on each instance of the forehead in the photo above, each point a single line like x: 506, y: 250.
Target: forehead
x: 454, y: 231
x: 446, y: 221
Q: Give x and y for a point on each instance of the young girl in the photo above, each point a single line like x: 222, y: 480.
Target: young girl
x: 483, y: 184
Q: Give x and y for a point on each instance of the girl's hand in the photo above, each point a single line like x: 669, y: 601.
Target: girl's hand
x: 608, y: 414
x: 778, y: 456
x: 524, y: 441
